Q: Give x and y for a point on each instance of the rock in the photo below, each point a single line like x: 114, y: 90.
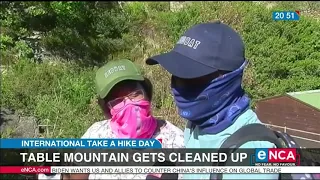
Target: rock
x: 13, y: 125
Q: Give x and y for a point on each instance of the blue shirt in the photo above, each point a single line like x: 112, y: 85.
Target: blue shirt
x: 194, y: 140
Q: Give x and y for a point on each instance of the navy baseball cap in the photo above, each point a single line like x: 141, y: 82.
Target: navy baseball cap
x: 203, y: 49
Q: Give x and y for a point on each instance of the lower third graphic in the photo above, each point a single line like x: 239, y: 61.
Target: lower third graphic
x: 275, y: 157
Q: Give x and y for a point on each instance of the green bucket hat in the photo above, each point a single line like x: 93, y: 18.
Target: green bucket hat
x: 114, y: 72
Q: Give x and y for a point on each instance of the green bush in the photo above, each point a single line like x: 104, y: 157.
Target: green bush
x: 285, y: 55
x: 60, y: 95
x: 88, y: 32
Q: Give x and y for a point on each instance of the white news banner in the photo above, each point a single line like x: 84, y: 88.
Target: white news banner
x: 185, y: 169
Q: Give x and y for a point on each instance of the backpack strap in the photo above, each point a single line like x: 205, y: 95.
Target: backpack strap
x: 251, y: 132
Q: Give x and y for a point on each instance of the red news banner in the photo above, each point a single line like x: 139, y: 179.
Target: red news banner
x: 25, y: 169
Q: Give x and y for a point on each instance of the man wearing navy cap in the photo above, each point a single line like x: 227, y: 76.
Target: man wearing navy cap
x: 207, y: 67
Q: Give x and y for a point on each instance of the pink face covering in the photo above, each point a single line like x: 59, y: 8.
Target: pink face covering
x: 133, y: 120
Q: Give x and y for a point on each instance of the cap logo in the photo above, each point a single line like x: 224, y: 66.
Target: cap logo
x: 113, y: 70
x: 189, y: 42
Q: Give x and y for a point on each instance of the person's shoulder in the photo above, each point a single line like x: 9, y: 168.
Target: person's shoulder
x: 250, y: 117
x: 98, y: 125
x: 171, y: 127
x: 171, y: 136
x: 100, y: 129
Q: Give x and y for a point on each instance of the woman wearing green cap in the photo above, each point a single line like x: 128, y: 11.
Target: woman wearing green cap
x: 124, y: 95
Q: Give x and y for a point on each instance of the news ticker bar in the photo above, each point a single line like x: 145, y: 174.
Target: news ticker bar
x: 157, y: 169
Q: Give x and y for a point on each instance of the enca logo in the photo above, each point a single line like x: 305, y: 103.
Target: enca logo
x: 275, y: 155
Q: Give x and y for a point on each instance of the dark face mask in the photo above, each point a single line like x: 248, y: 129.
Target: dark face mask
x: 187, y: 92
x: 212, y: 106
x: 191, y: 88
